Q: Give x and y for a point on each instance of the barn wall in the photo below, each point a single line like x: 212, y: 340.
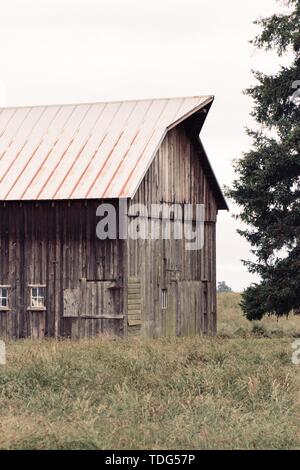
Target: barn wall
x: 56, y: 245
x: 176, y: 176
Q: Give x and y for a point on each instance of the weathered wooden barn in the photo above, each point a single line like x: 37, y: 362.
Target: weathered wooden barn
x: 57, y: 164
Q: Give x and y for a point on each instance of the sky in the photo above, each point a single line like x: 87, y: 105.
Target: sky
x: 75, y: 51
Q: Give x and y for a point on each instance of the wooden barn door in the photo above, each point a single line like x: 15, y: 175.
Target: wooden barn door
x: 169, y: 313
x: 93, y: 299
x: 101, y: 299
x: 189, y: 308
x: 169, y: 288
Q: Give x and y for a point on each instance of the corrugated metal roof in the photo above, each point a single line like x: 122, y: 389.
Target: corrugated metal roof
x: 99, y: 150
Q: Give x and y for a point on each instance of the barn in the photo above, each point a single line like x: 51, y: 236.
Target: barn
x: 58, y: 165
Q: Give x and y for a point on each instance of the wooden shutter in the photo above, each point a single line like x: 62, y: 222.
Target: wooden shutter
x: 134, y: 307
x: 71, y: 302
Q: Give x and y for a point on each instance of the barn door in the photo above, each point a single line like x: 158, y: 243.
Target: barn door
x: 205, y: 306
x: 93, y: 299
x: 169, y: 306
x: 189, y: 308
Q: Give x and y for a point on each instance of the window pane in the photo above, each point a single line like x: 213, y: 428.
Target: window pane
x: 3, y: 292
x: 40, y: 301
x: 3, y: 297
x: 37, y: 297
x: 40, y: 292
x: 34, y: 291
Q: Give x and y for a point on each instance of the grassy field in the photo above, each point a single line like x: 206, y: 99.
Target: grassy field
x: 237, y: 391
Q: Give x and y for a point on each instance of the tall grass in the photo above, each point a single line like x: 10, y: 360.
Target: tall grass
x: 229, y: 392
x: 232, y: 322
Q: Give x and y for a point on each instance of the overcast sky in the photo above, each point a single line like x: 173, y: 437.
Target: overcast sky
x: 69, y: 51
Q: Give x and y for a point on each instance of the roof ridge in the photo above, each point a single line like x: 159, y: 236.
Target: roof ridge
x: 108, y: 102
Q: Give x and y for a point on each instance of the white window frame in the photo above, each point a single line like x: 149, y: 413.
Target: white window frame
x: 7, y: 297
x: 164, y: 299
x: 37, y: 298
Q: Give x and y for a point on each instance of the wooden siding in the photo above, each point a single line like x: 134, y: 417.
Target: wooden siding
x: 176, y: 176
x: 55, y: 244
x: 112, y: 286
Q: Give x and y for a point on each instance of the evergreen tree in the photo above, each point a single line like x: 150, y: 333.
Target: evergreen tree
x: 267, y: 187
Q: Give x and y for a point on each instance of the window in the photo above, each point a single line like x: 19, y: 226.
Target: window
x: 164, y: 299
x: 4, y: 297
x: 37, y: 297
